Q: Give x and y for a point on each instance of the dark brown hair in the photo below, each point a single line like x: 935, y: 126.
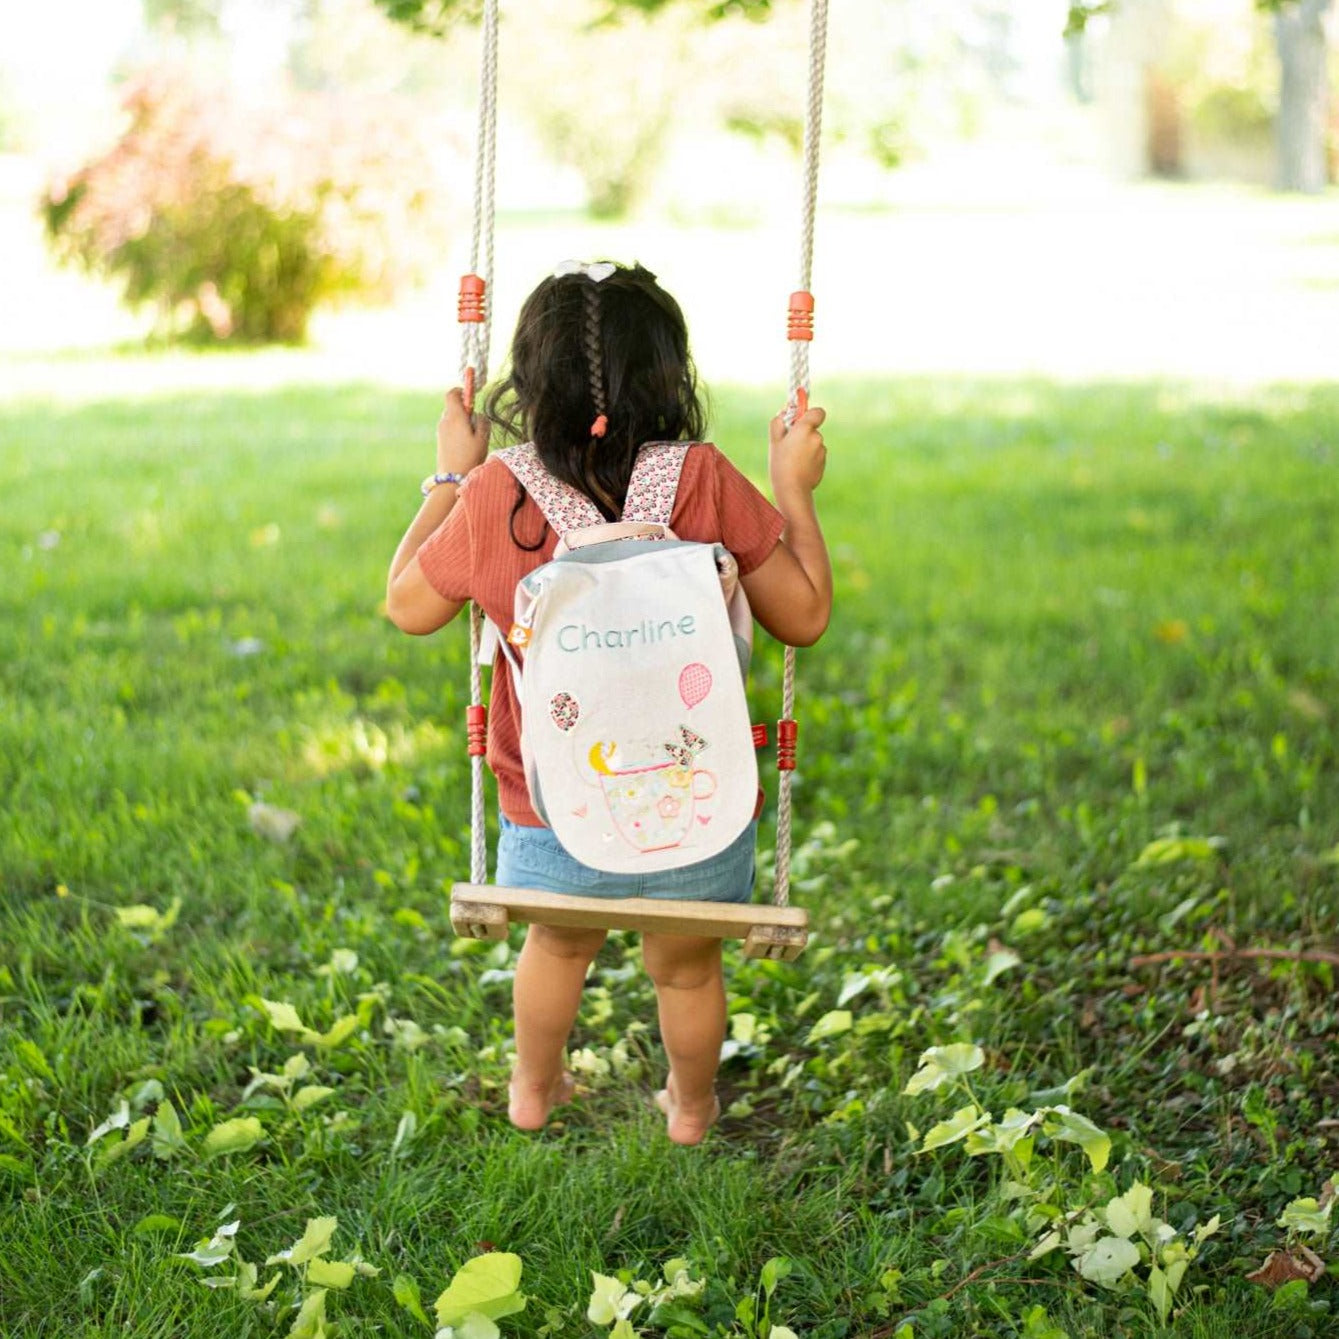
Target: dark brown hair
x: 616, y: 348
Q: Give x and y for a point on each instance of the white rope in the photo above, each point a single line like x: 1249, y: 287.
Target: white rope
x: 488, y: 139
x: 475, y: 337
x: 474, y: 355
x: 478, y: 835
x: 799, y: 380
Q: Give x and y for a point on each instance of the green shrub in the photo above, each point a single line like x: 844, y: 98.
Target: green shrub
x: 236, y: 222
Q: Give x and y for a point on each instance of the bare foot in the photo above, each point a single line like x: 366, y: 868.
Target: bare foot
x: 530, y: 1104
x: 685, y: 1124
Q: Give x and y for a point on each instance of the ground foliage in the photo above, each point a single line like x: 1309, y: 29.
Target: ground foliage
x: 1076, y: 711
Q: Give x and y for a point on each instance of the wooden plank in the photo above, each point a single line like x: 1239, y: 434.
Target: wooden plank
x: 780, y: 942
x: 478, y: 920
x: 724, y: 920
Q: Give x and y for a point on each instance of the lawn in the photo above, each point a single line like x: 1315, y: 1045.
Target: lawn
x: 1076, y: 712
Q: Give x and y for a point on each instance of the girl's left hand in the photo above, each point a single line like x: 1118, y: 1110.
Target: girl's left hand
x: 461, y: 445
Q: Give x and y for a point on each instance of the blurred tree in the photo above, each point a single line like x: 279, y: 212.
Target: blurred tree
x: 236, y: 221
x: 189, y: 17
x: 437, y: 15
x: 1304, y: 93
x: 1302, y: 127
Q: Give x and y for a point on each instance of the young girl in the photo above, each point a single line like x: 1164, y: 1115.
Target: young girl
x: 599, y: 366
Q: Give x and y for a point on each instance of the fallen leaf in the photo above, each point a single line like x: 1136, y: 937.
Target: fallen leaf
x: 1300, y: 1262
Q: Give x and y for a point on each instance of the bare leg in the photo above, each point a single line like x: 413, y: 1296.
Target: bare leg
x: 690, y: 990
x: 546, y: 995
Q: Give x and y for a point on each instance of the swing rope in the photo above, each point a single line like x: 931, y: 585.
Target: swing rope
x: 475, y: 316
x: 801, y: 332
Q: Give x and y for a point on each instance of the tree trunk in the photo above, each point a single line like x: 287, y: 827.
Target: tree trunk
x: 1304, y: 95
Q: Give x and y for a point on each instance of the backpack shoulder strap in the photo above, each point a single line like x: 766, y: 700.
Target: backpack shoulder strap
x: 655, y: 482
x: 565, y: 508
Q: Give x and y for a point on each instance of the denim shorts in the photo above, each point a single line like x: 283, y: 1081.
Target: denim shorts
x: 533, y: 858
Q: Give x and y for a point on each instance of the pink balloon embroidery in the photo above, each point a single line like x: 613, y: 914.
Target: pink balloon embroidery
x: 565, y: 710
x: 694, y: 683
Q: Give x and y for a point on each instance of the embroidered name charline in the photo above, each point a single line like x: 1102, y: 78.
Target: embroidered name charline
x: 582, y: 637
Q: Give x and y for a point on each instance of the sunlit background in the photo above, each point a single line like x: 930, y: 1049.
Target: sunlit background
x: 997, y: 196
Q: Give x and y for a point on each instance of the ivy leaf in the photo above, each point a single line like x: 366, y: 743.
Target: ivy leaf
x: 133, y: 1136
x: 1108, y: 1260
x: 297, y: 1066
x: 1170, y: 850
x: 405, y: 1289
x: 310, y: 1322
x: 1075, y: 1129
x: 330, y: 1273
x: 233, y: 1136
x: 610, y: 1300
x: 476, y: 1326
x: 776, y: 1269
x: 489, y: 1284
x: 962, y: 1123
x: 168, y: 1139
x: 342, y: 960
x: 999, y: 962
x: 1160, y: 1292
x: 247, y: 1276
x: 1131, y: 1212
x: 832, y: 1024
x: 153, y: 922
x: 309, y: 1096
x: 1306, y: 1215
x: 1003, y: 1137
x: 284, y: 1018
x: 118, y: 1120
x: 313, y: 1242
x: 216, y: 1250
x: 941, y: 1063
x: 340, y: 1030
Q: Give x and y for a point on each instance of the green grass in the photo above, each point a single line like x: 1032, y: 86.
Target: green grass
x: 1071, y: 621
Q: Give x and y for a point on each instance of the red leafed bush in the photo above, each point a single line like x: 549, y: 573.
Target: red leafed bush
x: 236, y: 221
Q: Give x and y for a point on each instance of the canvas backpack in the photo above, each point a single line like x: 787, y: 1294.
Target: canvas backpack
x: 629, y: 650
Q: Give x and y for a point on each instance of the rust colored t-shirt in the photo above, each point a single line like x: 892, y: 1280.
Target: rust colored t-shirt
x: 472, y: 556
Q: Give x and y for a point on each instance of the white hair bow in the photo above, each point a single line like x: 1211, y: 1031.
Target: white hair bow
x: 595, y: 273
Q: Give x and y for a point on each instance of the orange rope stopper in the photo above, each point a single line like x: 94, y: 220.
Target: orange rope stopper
x: 470, y: 306
x: 800, y: 321
x: 467, y: 390
x: 760, y: 735
x: 476, y: 728
x: 786, y: 732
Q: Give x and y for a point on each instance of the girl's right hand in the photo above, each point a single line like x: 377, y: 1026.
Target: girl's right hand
x: 797, y: 455
x: 461, y: 444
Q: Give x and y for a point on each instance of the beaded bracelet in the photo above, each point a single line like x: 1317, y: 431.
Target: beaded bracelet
x: 431, y: 482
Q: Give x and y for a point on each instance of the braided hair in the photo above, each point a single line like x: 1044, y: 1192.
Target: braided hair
x: 596, y: 370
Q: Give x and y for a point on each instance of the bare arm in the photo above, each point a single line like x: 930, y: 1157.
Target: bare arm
x: 790, y: 593
x: 411, y: 602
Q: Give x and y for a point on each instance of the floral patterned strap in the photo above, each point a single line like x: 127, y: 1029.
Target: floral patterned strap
x: 651, y: 490
x: 654, y: 482
x: 565, y: 508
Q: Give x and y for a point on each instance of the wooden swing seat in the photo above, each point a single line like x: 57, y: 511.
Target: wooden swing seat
x: 483, y: 911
